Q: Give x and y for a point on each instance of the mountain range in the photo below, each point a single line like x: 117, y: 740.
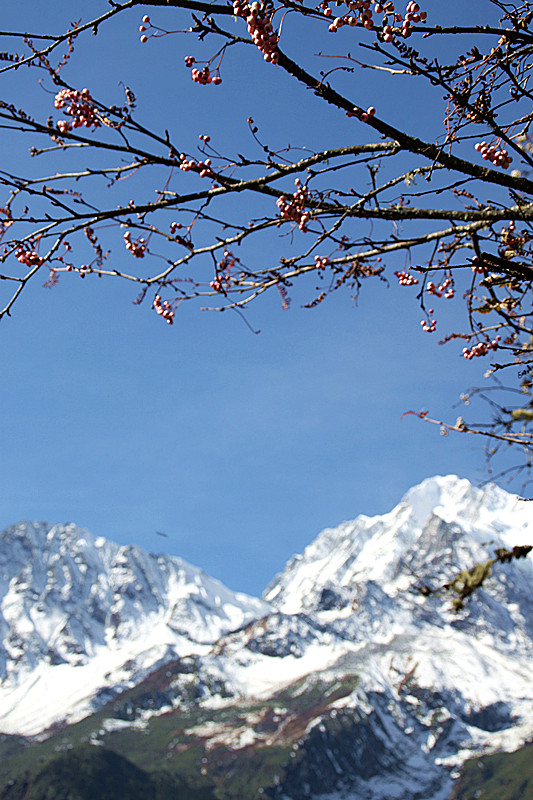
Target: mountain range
x: 343, y: 681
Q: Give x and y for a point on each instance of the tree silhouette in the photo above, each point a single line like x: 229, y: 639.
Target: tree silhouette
x: 452, y: 199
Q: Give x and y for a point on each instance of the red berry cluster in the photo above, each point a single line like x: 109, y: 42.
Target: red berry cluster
x: 30, y: 258
x: 446, y: 289
x: 361, y: 13
x: 203, y: 167
x: 321, y: 263
x: 175, y: 226
x: 219, y: 283
x: 478, y: 266
x: 136, y: 248
x: 202, y: 76
x: 499, y: 157
x: 223, y: 278
x: 259, y: 27
x: 412, y: 14
x: 164, y: 309
x: 481, y: 348
x: 406, y: 279
x: 364, y: 116
x: 78, y: 105
x: 293, y: 208
x: 146, y: 21
x: 429, y: 325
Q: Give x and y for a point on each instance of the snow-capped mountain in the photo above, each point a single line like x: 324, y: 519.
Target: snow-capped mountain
x: 426, y: 687
x: 443, y: 522
x: 358, y: 579
x: 80, y: 614
x: 344, y: 681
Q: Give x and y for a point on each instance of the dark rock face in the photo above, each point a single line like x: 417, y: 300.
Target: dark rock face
x: 284, y: 635
x: 330, y: 599
x: 496, y: 717
x: 345, y: 752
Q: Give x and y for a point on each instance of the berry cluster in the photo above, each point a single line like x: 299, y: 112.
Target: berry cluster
x: 364, y: 116
x: 361, y: 13
x: 499, y: 157
x: 406, y: 279
x: 481, y: 348
x: 321, y: 263
x: 429, y: 325
x: 412, y: 14
x: 203, y: 167
x: 164, y: 309
x: 202, y: 76
x: 293, y: 208
x: 136, y: 248
x: 29, y: 258
x: 223, y: 278
x: 259, y: 28
x: 478, y: 267
x: 175, y: 226
x: 219, y: 283
x: 446, y: 289
x: 78, y: 105
x: 142, y: 29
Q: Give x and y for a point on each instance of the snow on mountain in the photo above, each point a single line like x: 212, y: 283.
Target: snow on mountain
x: 378, y: 548
x: 358, y: 582
x: 432, y: 687
x: 80, y: 615
x: 378, y: 692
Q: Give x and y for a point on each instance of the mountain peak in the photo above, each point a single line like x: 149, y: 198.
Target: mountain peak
x: 379, y: 548
x: 453, y: 498
x: 68, y: 600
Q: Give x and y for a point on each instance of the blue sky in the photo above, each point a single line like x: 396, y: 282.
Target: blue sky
x: 240, y: 447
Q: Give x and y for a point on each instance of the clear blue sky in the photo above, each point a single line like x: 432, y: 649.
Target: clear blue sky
x: 240, y: 447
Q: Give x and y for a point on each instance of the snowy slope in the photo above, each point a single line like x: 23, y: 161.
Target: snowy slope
x: 79, y: 615
x: 378, y: 548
